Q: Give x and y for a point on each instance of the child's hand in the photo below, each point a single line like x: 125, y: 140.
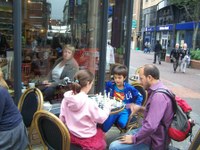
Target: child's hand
x: 134, y: 108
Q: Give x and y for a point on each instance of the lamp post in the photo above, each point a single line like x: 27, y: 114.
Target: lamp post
x: 17, y: 15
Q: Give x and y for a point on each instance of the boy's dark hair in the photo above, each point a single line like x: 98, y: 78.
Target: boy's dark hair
x: 120, y: 70
x: 151, y: 70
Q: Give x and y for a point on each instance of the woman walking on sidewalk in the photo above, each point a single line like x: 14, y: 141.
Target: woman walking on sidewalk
x: 184, y: 58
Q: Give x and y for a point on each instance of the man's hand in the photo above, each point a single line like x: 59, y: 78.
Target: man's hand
x: 126, y: 139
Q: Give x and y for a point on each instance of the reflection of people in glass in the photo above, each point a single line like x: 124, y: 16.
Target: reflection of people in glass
x: 3, y: 45
x: 56, y: 45
x: 66, y: 66
x: 2, y: 81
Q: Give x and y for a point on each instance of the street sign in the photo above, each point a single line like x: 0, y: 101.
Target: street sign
x: 134, y: 24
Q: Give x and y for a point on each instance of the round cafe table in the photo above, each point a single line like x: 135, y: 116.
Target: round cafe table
x: 117, y: 110
x: 55, y: 109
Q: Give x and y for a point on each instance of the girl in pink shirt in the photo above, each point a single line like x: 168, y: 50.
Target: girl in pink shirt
x: 81, y: 114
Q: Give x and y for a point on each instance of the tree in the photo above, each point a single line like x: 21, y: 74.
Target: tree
x: 193, y: 11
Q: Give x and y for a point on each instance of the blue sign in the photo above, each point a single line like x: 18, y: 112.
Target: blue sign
x: 186, y: 26
x: 149, y: 29
x: 165, y: 28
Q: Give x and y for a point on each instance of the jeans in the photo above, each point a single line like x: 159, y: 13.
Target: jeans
x: 116, y: 145
x: 120, y: 119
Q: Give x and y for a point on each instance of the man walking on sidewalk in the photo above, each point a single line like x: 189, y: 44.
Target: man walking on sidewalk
x: 157, y: 52
x: 175, y: 56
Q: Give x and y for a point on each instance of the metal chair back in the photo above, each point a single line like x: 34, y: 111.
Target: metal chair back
x: 53, y: 133
x: 30, y: 101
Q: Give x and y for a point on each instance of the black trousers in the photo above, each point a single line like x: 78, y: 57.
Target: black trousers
x: 175, y: 63
x: 157, y: 54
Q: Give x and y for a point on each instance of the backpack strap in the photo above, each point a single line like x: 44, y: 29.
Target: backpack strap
x: 170, y: 95
x: 174, y: 105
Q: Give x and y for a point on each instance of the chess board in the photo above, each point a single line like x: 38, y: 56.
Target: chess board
x: 116, y: 106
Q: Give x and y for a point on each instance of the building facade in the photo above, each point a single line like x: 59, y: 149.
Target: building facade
x: 171, y: 25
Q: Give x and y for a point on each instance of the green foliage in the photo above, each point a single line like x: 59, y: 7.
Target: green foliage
x: 119, y: 50
x: 192, y: 10
x: 195, y: 54
x: 191, y: 7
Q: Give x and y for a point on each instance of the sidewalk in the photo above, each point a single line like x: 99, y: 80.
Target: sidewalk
x: 185, y: 85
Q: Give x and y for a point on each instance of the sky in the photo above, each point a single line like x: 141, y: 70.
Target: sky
x: 57, y: 8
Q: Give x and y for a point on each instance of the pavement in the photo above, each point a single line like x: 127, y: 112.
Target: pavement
x: 185, y: 85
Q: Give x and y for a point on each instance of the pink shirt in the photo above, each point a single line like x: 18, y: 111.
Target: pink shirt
x: 81, y: 114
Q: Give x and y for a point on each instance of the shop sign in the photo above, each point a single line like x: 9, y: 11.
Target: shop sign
x: 149, y: 29
x: 134, y: 24
x: 167, y: 27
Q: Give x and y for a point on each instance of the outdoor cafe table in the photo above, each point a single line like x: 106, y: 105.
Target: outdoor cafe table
x: 55, y: 108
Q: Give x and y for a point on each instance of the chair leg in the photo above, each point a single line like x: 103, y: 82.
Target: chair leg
x: 29, y: 147
x: 31, y: 132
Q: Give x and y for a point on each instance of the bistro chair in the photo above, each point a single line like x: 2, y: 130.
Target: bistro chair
x: 52, y: 132
x: 135, y: 120
x: 30, y: 102
x: 135, y: 123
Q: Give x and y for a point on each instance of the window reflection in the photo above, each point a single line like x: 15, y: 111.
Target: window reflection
x: 44, y: 33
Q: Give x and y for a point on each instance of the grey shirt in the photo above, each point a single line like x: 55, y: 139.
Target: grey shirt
x: 69, y: 70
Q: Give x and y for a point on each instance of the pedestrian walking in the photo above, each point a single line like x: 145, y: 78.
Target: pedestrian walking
x: 158, y: 115
x: 175, y: 56
x: 185, y: 58
x: 157, y: 52
x: 147, y: 48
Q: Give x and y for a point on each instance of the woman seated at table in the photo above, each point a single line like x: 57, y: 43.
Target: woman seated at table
x: 81, y: 114
x: 66, y: 66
